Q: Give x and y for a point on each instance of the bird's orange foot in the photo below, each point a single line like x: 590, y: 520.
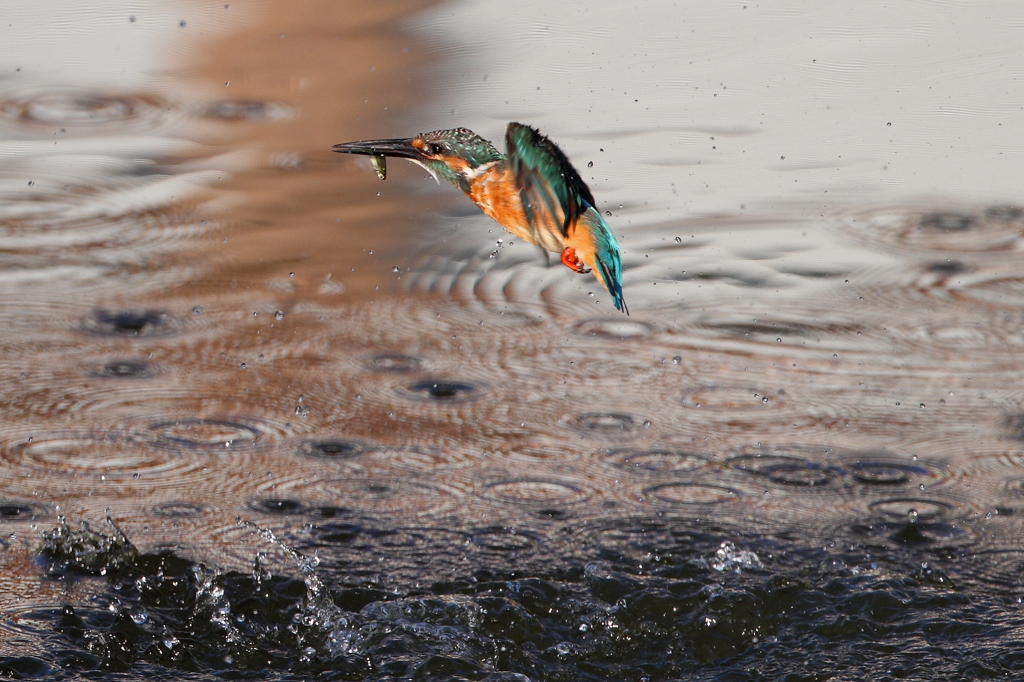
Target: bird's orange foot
x: 570, y: 261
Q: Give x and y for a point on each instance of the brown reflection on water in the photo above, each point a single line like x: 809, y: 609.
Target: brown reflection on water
x: 309, y: 75
x: 817, y: 383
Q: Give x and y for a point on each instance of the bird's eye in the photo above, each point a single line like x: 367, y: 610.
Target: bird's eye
x: 436, y: 149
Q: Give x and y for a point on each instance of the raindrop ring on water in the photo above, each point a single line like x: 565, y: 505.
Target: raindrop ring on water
x: 806, y: 474
x: 503, y: 541
x: 206, y: 433
x: 615, y: 329
x: 535, y: 491
x: 883, y: 469
x: 247, y: 110
x: 763, y: 464
x: 603, y: 423
x: 130, y: 323
x: 334, y: 448
x: 392, y: 362
x: 947, y: 222
x: 442, y: 391
x: 17, y: 510
x: 124, y: 369
x: 692, y: 493
x: 178, y: 510
x: 911, y: 507
x: 1004, y: 212
x: 880, y: 474
x: 278, y: 506
x: 88, y: 454
x: 658, y: 461
x: 82, y: 109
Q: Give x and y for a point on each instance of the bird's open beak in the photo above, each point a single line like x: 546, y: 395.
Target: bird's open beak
x: 400, y: 148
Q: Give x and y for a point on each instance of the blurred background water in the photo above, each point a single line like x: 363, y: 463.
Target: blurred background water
x: 227, y: 351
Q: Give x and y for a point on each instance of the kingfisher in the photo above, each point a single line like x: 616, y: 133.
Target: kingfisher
x: 533, y: 191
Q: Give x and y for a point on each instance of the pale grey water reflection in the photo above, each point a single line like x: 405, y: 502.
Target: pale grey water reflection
x: 208, y: 316
x: 786, y: 107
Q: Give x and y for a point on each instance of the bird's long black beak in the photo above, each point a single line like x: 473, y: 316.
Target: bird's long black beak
x: 400, y: 148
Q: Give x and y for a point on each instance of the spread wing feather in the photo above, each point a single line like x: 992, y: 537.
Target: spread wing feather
x: 551, y: 189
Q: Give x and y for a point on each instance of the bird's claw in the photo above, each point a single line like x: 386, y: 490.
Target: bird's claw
x: 570, y: 261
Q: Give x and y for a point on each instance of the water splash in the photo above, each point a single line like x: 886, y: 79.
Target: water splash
x: 729, y: 559
x: 322, y: 625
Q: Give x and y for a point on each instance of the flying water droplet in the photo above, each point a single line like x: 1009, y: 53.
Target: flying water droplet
x: 279, y: 315
x: 679, y: 240
x: 197, y: 310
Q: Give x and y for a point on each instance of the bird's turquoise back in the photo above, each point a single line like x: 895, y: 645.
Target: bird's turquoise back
x: 545, y: 176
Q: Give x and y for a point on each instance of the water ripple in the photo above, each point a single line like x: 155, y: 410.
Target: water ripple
x: 91, y: 455
x: 956, y: 230
x: 78, y: 109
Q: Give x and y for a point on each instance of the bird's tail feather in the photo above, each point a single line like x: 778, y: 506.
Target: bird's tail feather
x: 611, y: 272
x: 607, y: 262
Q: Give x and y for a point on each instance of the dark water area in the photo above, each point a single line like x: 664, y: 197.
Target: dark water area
x: 661, y: 598
x: 267, y: 417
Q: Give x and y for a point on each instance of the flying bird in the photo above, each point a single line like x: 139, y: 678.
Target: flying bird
x: 532, y: 191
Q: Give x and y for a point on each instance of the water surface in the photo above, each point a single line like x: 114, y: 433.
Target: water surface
x: 799, y: 458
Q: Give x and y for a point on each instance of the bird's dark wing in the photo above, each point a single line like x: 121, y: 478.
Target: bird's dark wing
x: 547, y: 182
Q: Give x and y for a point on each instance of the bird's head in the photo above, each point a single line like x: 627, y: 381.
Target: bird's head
x: 456, y: 154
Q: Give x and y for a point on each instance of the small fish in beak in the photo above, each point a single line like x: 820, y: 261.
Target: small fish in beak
x: 380, y: 165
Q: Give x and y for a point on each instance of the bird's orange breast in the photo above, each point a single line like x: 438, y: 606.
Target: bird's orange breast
x: 495, y: 192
